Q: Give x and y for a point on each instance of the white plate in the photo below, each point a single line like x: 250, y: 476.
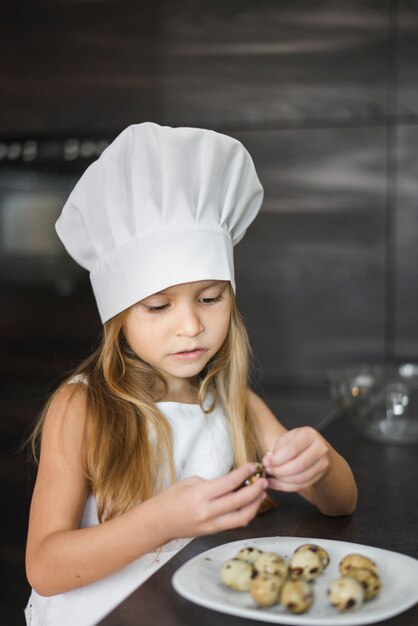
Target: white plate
x: 198, y: 580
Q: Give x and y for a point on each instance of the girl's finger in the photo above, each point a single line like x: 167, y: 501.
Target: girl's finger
x: 229, y: 482
x: 236, y: 500
x: 307, y: 474
x: 241, y: 517
x: 296, y: 483
x: 287, y: 488
x: 292, y: 488
x: 287, y: 447
x: 301, y: 463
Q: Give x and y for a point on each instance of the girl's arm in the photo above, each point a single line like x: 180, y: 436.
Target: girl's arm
x: 60, y: 556
x: 302, y: 460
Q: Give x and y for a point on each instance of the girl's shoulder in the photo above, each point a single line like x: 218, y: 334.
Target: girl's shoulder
x: 64, y: 426
x: 66, y: 410
x: 254, y: 401
x: 78, y: 378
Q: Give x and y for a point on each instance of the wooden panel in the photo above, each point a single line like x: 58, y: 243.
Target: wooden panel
x: 70, y: 67
x: 44, y: 335
x: 289, y: 63
x: 404, y: 236
x: 311, y: 270
x: 406, y: 94
x: 298, y: 406
x: 406, y: 249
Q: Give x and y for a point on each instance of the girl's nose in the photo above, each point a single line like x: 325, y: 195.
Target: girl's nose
x: 189, y: 323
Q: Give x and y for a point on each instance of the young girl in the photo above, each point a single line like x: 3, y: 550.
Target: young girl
x: 148, y: 442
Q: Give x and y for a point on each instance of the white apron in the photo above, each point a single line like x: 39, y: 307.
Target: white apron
x: 202, y: 447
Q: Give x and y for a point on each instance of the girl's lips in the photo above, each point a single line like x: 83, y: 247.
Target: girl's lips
x: 184, y: 356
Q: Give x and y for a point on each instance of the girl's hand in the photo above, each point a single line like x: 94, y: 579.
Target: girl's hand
x: 195, y: 506
x: 299, y: 459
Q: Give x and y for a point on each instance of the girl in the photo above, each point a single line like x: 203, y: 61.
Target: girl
x: 148, y: 442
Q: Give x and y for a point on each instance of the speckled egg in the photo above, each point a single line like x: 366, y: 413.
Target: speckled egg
x: 305, y: 565
x: 237, y: 574
x: 368, y: 579
x: 259, y: 472
x: 356, y: 560
x: 249, y: 554
x: 265, y: 589
x: 346, y: 594
x: 321, y: 552
x: 271, y: 563
x: 296, y: 596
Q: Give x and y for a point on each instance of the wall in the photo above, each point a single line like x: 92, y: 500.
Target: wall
x: 322, y: 95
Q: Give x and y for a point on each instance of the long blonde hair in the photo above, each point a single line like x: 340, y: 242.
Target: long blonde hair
x: 128, y: 441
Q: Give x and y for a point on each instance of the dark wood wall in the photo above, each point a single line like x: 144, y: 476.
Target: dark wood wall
x: 322, y: 93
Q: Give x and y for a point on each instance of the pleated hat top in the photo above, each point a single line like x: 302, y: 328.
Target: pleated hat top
x: 160, y: 206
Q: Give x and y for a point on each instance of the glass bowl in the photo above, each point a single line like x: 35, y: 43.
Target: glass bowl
x: 382, y: 400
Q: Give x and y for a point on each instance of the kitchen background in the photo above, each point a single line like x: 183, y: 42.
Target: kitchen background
x: 324, y: 96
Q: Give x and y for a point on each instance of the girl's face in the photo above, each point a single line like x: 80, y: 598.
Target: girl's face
x: 178, y: 330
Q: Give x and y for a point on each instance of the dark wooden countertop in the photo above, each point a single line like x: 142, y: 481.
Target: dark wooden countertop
x: 386, y: 517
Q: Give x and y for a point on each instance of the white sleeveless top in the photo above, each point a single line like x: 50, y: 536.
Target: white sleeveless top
x: 202, y: 447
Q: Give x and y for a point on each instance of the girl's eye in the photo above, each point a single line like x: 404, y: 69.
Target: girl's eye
x: 163, y: 307
x: 155, y: 309
x: 212, y: 300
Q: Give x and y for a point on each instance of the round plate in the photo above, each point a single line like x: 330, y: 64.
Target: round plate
x: 198, y: 580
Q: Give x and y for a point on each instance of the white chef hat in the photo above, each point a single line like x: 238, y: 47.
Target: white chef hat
x: 159, y: 207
